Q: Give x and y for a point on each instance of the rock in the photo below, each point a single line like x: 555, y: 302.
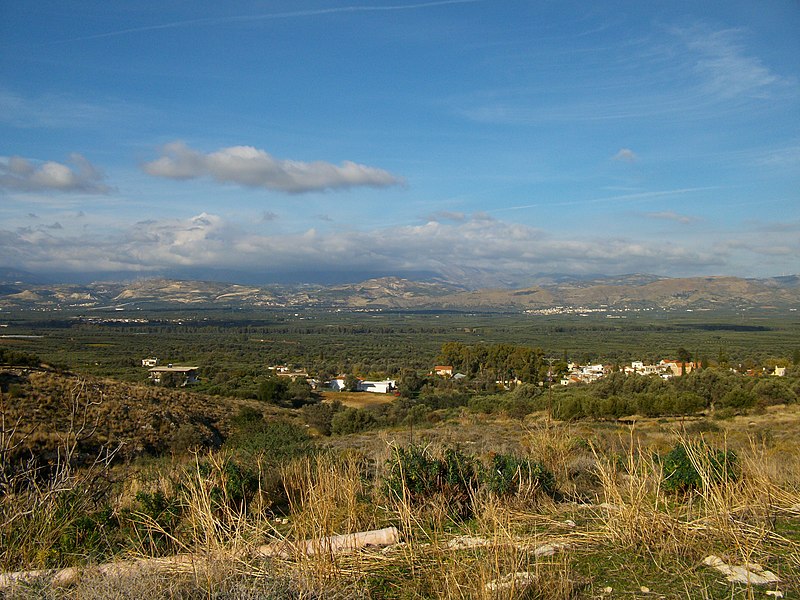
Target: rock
x: 644, y: 589
x: 749, y: 574
x: 466, y: 541
x: 506, y: 582
x: 569, y: 523
x: 774, y: 593
x: 549, y: 549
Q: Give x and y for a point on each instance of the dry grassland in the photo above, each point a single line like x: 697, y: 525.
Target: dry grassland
x: 357, y: 399
x: 612, y: 530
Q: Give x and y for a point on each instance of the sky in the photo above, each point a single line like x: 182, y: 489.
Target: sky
x: 485, y: 141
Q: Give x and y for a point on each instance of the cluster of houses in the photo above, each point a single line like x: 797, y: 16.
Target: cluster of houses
x: 590, y: 373
x: 576, y: 373
x: 665, y: 369
x: 186, y: 375
x: 337, y: 384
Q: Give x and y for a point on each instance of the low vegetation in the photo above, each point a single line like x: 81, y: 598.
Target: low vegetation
x: 547, y: 509
x: 629, y: 487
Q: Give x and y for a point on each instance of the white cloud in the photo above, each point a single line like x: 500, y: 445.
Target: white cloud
x: 625, y: 155
x: 447, y: 215
x: 252, y: 167
x: 491, y: 246
x: 724, y: 67
x: 20, y: 174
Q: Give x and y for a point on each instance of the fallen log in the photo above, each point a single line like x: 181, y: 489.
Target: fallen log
x: 335, y: 544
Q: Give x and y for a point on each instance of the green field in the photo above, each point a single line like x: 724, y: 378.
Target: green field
x: 225, y: 342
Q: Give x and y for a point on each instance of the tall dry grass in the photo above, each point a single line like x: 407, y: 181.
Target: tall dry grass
x: 501, y: 550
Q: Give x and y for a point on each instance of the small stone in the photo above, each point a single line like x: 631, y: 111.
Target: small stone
x: 569, y: 523
x: 511, y: 580
x: 549, y: 549
x: 466, y: 541
x: 775, y: 593
x: 608, y: 589
x: 644, y: 589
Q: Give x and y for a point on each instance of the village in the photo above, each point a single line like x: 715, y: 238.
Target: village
x: 182, y: 376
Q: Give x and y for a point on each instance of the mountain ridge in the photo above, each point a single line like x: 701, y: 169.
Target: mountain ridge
x: 551, y: 292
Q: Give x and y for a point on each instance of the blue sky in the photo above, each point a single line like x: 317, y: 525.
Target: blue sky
x: 473, y: 139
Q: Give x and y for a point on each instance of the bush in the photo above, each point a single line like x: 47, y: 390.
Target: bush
x: 19, y: 359
x: 320, y: 415
x: 234, y: 484
x: 278, y: 440
x: 352, y: 420
x: 414, y: 474
x: 190, y: 436
x: 514, y: 476
x: 681, y: 474
x: 737, y: 398
x: 274, y: 390
x: 773, y: 391
x: 485, y: 404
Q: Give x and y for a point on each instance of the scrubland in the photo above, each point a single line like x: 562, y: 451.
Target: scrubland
x: 485, y: 506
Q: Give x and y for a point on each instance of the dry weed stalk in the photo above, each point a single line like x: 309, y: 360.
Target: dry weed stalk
x: 39, y: 502
x: 741, y: 510
x: 637, y: 515
x: 326, y: 498
x: 554, y: 446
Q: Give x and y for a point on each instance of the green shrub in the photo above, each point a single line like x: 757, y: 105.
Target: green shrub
x: 485, y: 404
x: 352, y: 420
x: 276, y: 441
x: 518, y: 407
x: 737, y: 399
x: 681, y: 475
x: 274, y: 390
x: 234, y: 484
x: 155, y: 523
x: 417, y: 476
x: 772, y: 391
x: 320, y: 415
x: 511, y: 475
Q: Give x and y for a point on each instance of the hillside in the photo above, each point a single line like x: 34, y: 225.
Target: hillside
x: 49, y: 407
x: 630, y: 292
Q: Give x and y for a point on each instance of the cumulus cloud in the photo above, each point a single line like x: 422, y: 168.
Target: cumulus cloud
x: 252, y: 167
x: 20, y: 174
x: 625, y: 155
x: 668, y: 215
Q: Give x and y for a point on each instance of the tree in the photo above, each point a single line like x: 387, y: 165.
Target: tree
x: 273, y: 390
x: 351, y: 383
x: 684, y: 356
x: 410, y: 383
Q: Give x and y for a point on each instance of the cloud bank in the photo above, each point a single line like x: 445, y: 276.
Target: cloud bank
x: 20, y: 174
x: 252, y: 167
x: 453, y: 250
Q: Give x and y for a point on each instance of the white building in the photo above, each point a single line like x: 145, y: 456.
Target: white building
x: 378, y: 387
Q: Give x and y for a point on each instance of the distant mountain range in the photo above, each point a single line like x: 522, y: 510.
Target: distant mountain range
x: 549, y: 293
